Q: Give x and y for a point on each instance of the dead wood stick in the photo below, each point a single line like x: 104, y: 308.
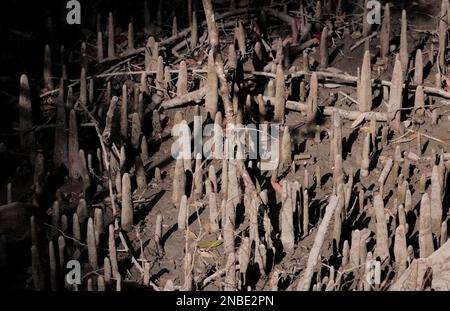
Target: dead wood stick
x: 329, y: 111
x: 295, y: 50
x: 216, y: 275
x: 349, y: 98
x: 414, y: 157
x: 354, y: 79
x: 361, y: 41
x: 431, y: 137
x: 261, y: 73
x: 133, y: 259
x: 184, y: 99
x: 353, y: 115
x: 305, y: 282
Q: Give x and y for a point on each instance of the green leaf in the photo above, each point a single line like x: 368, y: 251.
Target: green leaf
x: 209, y: 244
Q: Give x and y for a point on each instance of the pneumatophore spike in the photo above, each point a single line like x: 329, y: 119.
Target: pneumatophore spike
x: 48, y: 71
x: 111, y: 43
x: 404, y: 56
x: 323, y: 48
x: 396, y: 96
x: 385, y: 34
x: 365, y: 92
x: 418, y: 68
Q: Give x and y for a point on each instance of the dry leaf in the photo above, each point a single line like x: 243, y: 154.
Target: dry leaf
x: 206, y: 254
x: 191, y: 235
x: 207, y: 227
x: 276, y: 186
x: 356, y: 35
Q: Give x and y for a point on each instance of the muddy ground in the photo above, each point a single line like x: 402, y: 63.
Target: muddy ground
x: 167, y: 260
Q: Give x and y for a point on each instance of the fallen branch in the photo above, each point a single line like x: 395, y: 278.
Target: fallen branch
x: 216, y: 275
x: 431, y: 137
x: 354, y: 79
x: 133, y: 259
x: 349, y: 98
x: 414, y: 157
x: 361, y: 41
x: 329, y: 111
x: 184, y: 99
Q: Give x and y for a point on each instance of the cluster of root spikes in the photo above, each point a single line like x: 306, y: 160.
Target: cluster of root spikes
x: 360, y: 181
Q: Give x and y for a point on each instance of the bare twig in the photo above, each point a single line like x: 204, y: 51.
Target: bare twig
x: 361, y: 41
